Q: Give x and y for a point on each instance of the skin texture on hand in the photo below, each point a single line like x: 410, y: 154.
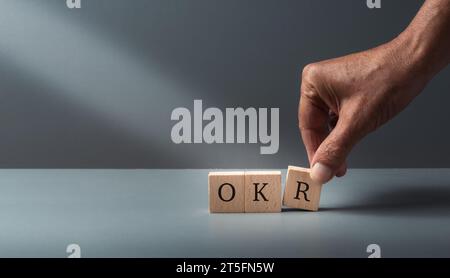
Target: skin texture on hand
x: 344, y: 99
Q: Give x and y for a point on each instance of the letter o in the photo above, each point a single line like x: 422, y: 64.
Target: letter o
x: 233, y: 192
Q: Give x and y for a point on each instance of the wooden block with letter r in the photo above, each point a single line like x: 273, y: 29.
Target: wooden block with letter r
x: 263, y: 191
x: 301, y: 191
x: 226, y: 191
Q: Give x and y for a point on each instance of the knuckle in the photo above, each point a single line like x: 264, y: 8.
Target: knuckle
x: 310, y: 71
x: 309, y: 80
x: 309, y: 93
x: 303, y: 127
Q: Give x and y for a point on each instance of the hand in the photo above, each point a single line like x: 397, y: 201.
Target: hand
x: 344, y: 99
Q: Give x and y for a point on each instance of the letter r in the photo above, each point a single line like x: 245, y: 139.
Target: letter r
x: 299, y: 190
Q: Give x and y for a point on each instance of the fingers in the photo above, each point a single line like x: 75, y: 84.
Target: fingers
x: 329, y: 158
x: 342, y: 170
x: 313, y: 122
x: 332, y: 124
x: 317, y: 125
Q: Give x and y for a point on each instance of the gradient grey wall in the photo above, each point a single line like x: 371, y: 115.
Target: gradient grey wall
x: 95, y: 87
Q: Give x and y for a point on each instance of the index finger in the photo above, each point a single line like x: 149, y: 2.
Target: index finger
x: 313, y: 116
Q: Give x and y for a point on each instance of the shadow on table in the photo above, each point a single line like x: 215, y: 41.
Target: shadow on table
x: 403, y: 201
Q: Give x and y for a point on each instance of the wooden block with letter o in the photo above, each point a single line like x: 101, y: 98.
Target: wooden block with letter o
x: 301, y: 191
x: 263, y: 191
x: 226, y: 191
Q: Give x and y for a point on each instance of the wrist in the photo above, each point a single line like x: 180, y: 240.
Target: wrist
x: 425, y: 43
x: 414, y: 56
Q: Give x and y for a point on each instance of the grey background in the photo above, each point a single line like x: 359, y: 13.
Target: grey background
x: 115, y: 213
x: 95, y: 87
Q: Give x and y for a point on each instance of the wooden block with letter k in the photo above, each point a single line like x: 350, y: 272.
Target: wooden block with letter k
x: 301, y: 191
x: 263, y: 191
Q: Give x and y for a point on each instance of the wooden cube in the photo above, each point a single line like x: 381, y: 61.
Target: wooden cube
x: 226, y: 191
x: 263, y: 191
x: 301, y: 191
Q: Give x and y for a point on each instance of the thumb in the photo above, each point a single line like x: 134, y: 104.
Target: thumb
x: 332, y: 152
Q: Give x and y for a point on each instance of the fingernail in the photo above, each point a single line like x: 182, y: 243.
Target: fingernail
x: 321, y: 173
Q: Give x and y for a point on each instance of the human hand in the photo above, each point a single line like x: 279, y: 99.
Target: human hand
x: 344, y: 99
